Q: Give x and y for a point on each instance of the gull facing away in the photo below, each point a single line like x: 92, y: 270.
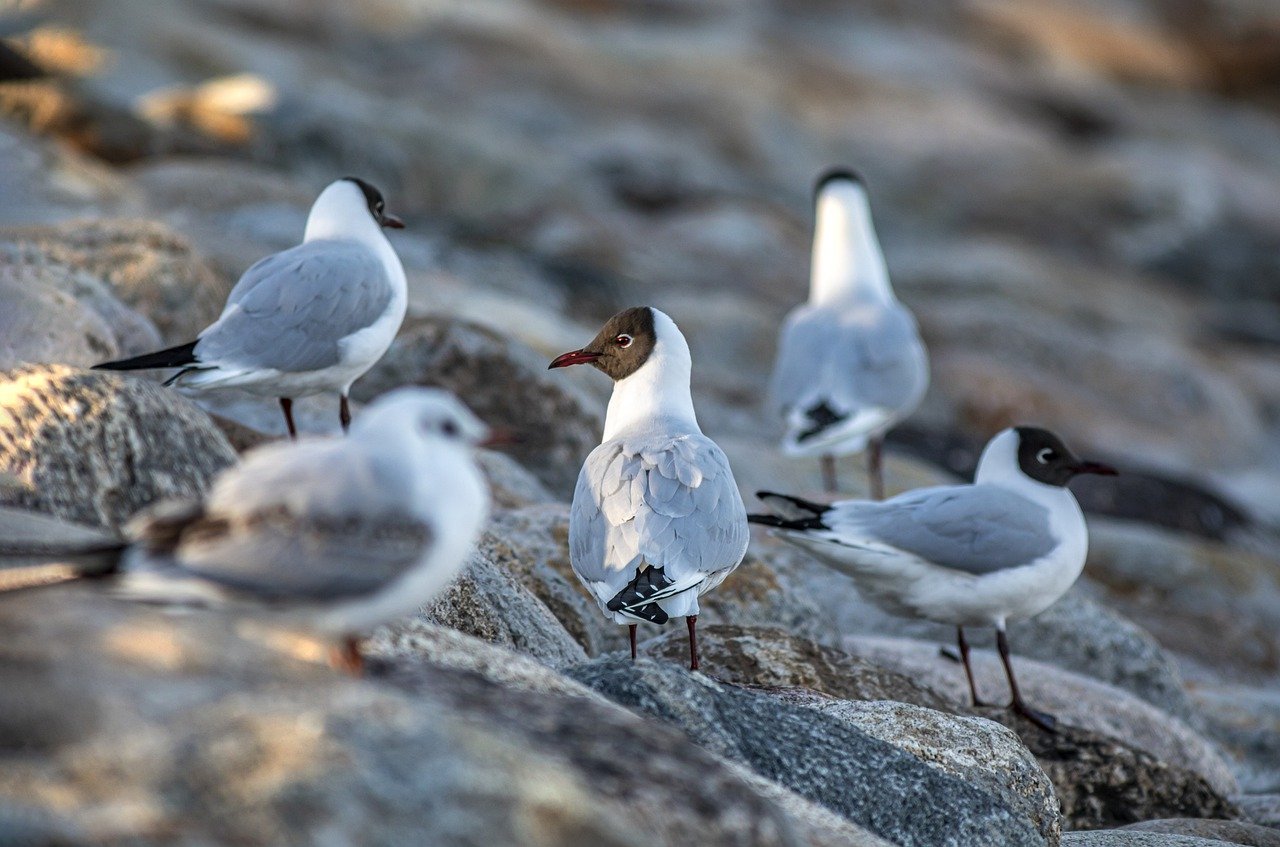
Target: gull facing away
x: 657, y: 519
x: 309, y: 320
x: 336, y: 536
x: 850, y: 363
x: 1004, y: 548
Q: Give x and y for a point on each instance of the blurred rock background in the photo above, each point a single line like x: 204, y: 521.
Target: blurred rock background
x: 1080, y: 200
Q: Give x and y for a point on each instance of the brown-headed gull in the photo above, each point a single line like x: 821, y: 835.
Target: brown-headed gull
x: 656, y: 519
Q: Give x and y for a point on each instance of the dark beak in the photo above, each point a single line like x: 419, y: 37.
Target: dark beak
x: 501, y: 438
x: 391, y: 222
x: 1094, y: 468
x: 574, y: 357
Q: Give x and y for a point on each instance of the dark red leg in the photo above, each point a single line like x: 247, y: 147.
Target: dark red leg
x: 829, y: 474
x: 875, y: 467
x: 286, y: 405
x: 346, y: 656
x: 968, y: 669
x: 1043, y: 720
x: 692, y: 621
x: 344, y: 414
x: 632, y: 627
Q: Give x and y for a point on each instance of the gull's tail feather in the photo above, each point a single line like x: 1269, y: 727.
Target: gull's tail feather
x: 172, y: 357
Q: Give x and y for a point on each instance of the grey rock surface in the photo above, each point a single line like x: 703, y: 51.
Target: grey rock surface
x: 979, y: 751
x: 1231, y: 832
x: 501, y: 381
x: 1126, y: 838
x: 145, y: 264
x: 488, y: 602
x: 203, y: 729
x: 1262, y: 809
x: 772, y: 658
x: 822, y: 758
x: 96, y: 448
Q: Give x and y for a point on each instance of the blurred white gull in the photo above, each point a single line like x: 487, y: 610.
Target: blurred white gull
x: 309, y: 320
x: 850, y: 363
x: 1004, y: 548
x: 331, y: 536
x: 656, y: 519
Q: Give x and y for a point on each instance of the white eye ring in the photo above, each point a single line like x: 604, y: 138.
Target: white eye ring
x: 623, y: 340
x: 1044, y: 454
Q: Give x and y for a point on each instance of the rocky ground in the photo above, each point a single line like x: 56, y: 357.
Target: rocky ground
x: 1080, y: 201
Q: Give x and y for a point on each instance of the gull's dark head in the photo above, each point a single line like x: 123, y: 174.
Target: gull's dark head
x: 376, y: 203
x: 621, y: 347
x: 836, y: 177
x: 1043, y: 457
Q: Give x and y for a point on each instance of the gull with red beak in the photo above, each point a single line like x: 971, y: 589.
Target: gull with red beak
x: 309, y: 320
x: 1004, y: 548
x: 656, y: 519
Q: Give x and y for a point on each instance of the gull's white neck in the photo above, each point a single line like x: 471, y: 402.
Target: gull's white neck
x: 658, y: 392
x: 848, y: 267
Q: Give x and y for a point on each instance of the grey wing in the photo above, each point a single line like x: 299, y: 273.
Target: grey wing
x: 279, y: 556
x: 315, y: 519
x: 851, y: 361
x: 290, y: 311
x: 977, y: 529
x: 670, y: 503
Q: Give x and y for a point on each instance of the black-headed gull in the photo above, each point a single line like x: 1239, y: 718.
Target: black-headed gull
x: 850, y: 362
x: 309, y: 320
x: 656, y: 519
x: 1004, y: 548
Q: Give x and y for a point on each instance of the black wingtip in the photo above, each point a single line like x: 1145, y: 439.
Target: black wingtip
x: 799, y: 502
x: 172, y: 357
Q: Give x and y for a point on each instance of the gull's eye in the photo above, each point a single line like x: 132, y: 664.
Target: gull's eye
x: 449, y: 428
x: 623, y: 340
x: 379, y: 206
x: 1046, y: 455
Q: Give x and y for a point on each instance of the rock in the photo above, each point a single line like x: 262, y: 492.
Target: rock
x: 146, y: 265
x: 185, y: 726
x: 1193, y: 596
x: 96, y: 448
x: 1114, y: 759
x: 1123, y: 838
x: 510, y: 485
x: 1245, y: 722
x: 822, y: 758
x: 979, y: 751
x: 489, y: 603
x: 54, y: 313
x: 533, y: 545
x: 1262, y: 809
x: 1074, y: 633
x: 773, y: 658
x: 501, y: 381
x: 1230, y: 832
x: 758, y: 593
x: 47, y: 182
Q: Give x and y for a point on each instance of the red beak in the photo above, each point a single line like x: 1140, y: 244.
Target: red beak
x: 501, y: 437
x: 1095, y: 468
x: 392, y: 222
x: 574, y: 357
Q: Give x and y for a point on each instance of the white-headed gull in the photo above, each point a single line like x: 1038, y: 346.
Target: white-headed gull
x: 332, y: 536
